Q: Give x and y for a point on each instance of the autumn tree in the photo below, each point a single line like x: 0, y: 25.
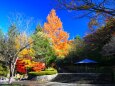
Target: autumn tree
x: 96, y: 10
x: 101, y: 36
x: 9, y: 51
x: 25, y: 64
x: 21, y: 40
x: 53, y: 28
x: 96, y: 41
x: 100, y: 6
x: 108, y: 50
x: 8, y: 43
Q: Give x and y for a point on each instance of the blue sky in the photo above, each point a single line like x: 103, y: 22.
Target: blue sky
x: 39, y: 9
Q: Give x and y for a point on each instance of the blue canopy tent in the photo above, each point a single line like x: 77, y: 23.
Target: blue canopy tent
x: 86, y: 61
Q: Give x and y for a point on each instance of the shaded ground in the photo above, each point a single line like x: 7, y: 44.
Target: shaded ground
x: 70, y: 79
x: 83, y: 78
x: 35, y: 83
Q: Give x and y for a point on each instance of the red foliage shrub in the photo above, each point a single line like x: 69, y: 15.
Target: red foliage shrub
x: 22, y: 65
x: 38, y: 66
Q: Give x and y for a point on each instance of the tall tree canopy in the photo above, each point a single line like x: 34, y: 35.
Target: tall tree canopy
x: 42, y: 47
x: 90, y: 6
x: 97, y: 41
x: 53, y: 28
x: 97, y: 10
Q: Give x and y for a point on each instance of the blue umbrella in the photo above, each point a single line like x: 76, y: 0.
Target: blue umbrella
x: 86, y: 61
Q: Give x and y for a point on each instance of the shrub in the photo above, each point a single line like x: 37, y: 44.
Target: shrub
x: 20, y: 67
x: 23, y: 65
x: 3, y: 70
x: 38, y: 66
x: 48, y: 71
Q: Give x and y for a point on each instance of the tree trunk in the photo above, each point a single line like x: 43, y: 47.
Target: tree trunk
x: 12, y: 69
x: 11, y: 73
x: 10, y: 79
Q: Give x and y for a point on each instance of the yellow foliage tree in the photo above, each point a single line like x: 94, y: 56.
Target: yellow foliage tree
x: 21, y: 40
x: 53, y: 28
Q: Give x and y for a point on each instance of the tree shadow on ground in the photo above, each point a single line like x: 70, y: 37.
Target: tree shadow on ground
x: 81, y: 78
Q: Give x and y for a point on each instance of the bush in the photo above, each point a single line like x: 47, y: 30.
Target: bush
x: 48, y: 71
x: 3, y: 70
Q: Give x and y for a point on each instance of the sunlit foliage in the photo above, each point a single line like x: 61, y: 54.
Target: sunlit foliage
x: 53, y: 28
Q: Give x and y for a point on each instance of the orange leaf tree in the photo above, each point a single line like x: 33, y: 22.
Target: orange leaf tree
x: 53, y: 28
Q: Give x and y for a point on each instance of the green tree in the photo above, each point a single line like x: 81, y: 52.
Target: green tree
x: 77, y: 50
x: 79, y: 46
x: 1, y: 42
x: 43, y: 47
